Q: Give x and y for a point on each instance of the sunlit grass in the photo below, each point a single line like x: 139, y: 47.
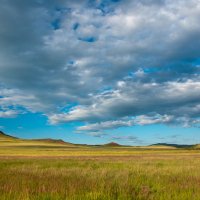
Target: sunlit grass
x: 34, y: 170
x: 81, y: 178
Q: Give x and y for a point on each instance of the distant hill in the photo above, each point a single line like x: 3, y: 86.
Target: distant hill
x: 171, y: 145
x: 49, y: 140
x: 10, y: 140
x: 112, y: 144
x: 7, y: 139
x: 196, y: 146
x: 4, y: 136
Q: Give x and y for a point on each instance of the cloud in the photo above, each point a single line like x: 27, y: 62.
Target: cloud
x: 8, y: 114
x: 139, y: 120
x: 148, y: 103
x: 105, y: 63
x: 106, y: 125
x: 15, y: 99
x: 128, y: 138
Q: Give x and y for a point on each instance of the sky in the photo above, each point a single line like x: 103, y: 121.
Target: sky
x: 99, y: 71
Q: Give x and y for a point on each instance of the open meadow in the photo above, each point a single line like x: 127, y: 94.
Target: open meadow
x: 45, y: 169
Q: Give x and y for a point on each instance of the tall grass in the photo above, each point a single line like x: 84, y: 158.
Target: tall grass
x: 172, y: 177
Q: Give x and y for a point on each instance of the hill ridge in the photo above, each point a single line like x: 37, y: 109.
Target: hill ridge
x: 4, y: 136
x: 112, y: 144
x: 173, y: 145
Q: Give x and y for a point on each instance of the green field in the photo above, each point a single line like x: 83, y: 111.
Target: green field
x: 48, y: 169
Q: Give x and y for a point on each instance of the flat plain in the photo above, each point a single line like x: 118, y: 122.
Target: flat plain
x: 50, y: 169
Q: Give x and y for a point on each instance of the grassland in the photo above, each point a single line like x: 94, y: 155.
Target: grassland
x: 34, y: 170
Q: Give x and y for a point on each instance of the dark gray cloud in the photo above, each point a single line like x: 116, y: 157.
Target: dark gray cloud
x: 115, y: 63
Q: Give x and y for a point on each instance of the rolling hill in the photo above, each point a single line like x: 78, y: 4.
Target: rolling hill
x: 3, y: 135
x: 173, y: 146
x: 10, y: 140
x: 112, y: 144
x: 7, y: 140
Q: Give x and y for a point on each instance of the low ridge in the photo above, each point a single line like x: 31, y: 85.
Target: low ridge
x: 112, y: 144
x: 57, y: 141
x: 173, y: 145
x: 3, y: 135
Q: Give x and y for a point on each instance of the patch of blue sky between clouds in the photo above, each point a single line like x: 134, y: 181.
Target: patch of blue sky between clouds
x: 56, y: 24
x: 88, y: 39
x: 105, y: 6
x: 76, y: 26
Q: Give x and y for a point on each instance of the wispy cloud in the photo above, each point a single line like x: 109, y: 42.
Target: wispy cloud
x: 127, y: 139
x: 8, y: 114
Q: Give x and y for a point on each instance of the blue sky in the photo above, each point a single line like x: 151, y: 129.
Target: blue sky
x: 99, y: 71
